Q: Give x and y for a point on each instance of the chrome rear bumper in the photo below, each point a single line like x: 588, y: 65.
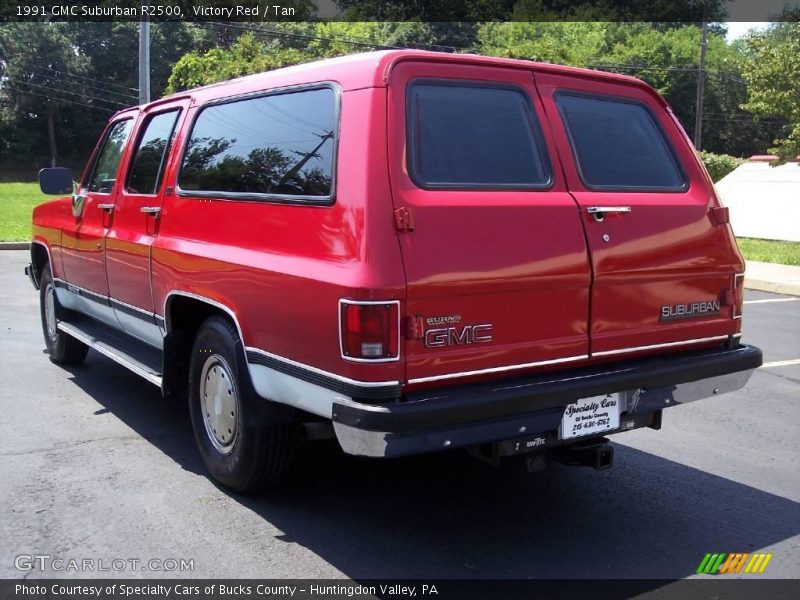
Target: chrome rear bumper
x: 532, y: 408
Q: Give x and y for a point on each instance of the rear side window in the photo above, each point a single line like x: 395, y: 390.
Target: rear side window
x: 618, y: 145
x: 104, y: 174
x: 280, y: 144
x: 474, y: 136
x: 147, y: 167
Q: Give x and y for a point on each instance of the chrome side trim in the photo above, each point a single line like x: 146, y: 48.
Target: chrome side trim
x: 299, y: 365
x: 110, y: 353
x: 541, y: 363
x: 144, y: 330
x: 205, y: 299
x: 367, y: 303
x: 286, y: 389
x: 83, y: 301
x: 131, y: 307
x: 716, y: 338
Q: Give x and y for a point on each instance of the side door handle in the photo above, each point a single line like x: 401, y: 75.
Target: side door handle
x: 599, y: 212
x: 151, y: 210
x: 106, y: 207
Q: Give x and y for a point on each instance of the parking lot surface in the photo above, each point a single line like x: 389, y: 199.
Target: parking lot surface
x: 95, y: 465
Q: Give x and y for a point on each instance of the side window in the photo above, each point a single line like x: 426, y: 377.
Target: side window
x: 279, y: 144
x: 618, y: 145
x: 104, y: 174
x: 148, y: 164
x: 479, y: 136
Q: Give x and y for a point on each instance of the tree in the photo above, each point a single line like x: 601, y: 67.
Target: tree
x: 34, y: 57
x: 578, y: 43
x: 772, y: 72
x: 248, y: 55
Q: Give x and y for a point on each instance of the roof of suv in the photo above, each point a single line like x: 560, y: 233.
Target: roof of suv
x: 371, y: 69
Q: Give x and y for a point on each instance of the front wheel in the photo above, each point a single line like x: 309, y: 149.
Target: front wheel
x: 241, y: 449
x: 62, y: 348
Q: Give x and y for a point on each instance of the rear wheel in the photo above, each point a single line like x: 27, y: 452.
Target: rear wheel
x: 243, y: 450
x: 62, y: 348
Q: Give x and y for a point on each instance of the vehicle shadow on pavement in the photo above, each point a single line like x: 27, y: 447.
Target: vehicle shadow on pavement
x: 450, y: 516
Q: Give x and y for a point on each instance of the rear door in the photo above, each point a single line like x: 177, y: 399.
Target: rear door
x: 135, y: 221
x: 496, y: 262
x: 664, y: 265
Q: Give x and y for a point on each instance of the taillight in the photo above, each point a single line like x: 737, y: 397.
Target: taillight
x: 369, y: 331
x: 738, y: 295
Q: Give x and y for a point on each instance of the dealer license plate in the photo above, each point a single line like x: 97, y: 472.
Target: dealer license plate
x: 591, y: 416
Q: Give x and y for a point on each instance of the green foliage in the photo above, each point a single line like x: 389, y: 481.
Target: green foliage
x: 772, y: 72
x: 576, y: 44
x: 719, y: 165
x: 248, y: 55
x: 17, y: 201
x: 76, y: 74
x: 295, y: 44
x: 772, y: 251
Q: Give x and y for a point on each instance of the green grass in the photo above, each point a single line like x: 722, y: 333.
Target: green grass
x: 16, y: 203
x: 784, y: 253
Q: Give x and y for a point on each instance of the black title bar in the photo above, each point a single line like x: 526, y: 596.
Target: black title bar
x: 272, y: 11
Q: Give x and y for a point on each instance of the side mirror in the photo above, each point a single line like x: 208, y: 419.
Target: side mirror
x: 56, y: 181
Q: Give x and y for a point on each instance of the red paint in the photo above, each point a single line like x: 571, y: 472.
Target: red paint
x: 518, y: 260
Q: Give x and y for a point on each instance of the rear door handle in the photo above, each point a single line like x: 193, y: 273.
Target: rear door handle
x: 599, y: 212
x: 105, y: 207
x: 151, y: 210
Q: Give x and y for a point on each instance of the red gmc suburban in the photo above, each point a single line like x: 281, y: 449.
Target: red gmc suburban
x: 409, y: 251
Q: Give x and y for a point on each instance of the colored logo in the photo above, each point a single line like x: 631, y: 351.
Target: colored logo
x: 737, y: 562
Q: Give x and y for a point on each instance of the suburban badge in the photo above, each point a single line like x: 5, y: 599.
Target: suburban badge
x: 674, y: 312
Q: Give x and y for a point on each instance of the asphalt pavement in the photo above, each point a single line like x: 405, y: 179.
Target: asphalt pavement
x: 95, y: 465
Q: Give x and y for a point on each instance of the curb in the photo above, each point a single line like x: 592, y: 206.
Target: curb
x: 15, y: 245
x: 772, y: 286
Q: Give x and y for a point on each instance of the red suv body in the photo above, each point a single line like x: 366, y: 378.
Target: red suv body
x: 425, y: 250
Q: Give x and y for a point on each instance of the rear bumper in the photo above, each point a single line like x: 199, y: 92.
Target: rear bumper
x: 527, y: 412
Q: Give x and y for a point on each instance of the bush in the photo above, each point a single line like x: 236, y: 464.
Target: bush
x: 719, y: 165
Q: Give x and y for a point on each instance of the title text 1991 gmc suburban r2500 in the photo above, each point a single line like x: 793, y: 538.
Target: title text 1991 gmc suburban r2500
x: 407, y: 250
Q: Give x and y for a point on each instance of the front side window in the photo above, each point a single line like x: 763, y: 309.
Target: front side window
x: 149, y: 161
x: 474, y: 136
x: 104, y: 174
x: 280, y: 144
x: 618, y: 145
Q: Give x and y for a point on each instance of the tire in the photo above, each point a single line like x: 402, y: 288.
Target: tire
x: 242, y: 449
x: 62, y: 348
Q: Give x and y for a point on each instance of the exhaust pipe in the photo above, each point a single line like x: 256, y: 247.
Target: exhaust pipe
x: 596, y: 454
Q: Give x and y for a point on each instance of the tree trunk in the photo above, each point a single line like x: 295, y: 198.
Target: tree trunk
x: 51, y: 135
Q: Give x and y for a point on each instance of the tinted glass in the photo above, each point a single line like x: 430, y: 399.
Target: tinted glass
x: 148, y: 162
x: 279, y: 144
x: 618, y: 144
x: 474, y: 136
x: 105, y: 171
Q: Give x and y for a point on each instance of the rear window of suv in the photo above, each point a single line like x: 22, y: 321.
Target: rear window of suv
x: 481, y: 136
x: 278, y: 145
x: 618, y: 144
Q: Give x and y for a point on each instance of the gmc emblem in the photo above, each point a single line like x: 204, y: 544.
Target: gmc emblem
x: 451, y: 336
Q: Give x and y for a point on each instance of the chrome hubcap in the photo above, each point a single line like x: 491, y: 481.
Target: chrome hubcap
x: 50, y: 311
x: 219, y: 401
